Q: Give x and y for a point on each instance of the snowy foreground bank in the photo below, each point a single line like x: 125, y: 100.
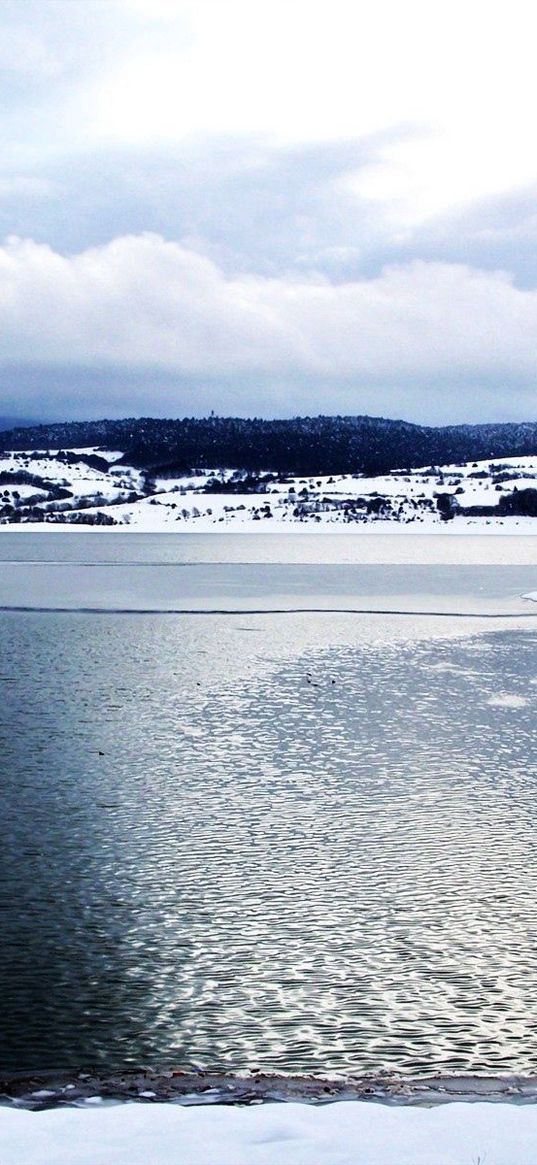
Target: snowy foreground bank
x: 344, y: 1133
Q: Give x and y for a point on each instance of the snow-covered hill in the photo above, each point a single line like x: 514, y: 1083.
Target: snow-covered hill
x: 94, y: 487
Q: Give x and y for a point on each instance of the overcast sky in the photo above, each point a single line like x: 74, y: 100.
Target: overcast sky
x: 268, y: 207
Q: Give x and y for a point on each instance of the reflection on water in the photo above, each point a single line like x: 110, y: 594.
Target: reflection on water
x: 326, y: 866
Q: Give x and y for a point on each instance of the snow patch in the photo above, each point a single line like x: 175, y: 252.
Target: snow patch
x: 342, y: 1133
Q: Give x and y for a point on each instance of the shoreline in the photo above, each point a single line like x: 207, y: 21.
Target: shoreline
x: 39, y: 1091
x: 476, y: 528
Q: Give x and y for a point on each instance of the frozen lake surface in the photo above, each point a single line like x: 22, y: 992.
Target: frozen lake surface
x: 234, y: 572
x: 295, y: 842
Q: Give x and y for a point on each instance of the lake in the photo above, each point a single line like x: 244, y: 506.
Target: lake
x: 296, y: 840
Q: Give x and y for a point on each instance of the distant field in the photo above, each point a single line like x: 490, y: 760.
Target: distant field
x: 91, y: 486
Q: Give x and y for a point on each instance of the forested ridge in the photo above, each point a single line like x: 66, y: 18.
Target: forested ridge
x: 341, y: 444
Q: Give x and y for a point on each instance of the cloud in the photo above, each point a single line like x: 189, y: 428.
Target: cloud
x: 256, y: 208
x: 248, y: 204
x: 493, y: 233
x: 141, y: 304
x: 329, y: 206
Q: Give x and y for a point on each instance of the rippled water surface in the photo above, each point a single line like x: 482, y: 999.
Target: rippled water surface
x: 215, y: 853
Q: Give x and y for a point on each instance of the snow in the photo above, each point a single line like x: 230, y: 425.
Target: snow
x: 24, y: 491
x: 408, y: 499
x: 86, y: 484
x: 107, y: 454
x: 341, y: 1133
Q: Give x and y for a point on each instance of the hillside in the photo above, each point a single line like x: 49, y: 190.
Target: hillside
x: 96, y: 487
x: 301, y: 445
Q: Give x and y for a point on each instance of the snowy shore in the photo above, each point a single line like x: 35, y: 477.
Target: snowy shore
x: 343, y: 1133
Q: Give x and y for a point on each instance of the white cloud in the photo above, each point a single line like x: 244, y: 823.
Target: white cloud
x: 307, y: 70
x: 24, y: 53
x: 26, y: 186
x: 144, y: 75
x: 275, y: 138
x: 141, y: 302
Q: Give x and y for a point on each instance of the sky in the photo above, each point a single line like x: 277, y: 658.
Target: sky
x: 268, y: 207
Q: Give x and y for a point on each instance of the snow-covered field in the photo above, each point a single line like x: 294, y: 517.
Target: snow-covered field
x: 344, y: 1133
x: 92, y: 486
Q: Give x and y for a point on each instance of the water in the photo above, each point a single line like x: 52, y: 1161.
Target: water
x: 300, y: 842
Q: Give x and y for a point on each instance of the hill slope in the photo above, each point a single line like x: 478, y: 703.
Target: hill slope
x: 298, y: 445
